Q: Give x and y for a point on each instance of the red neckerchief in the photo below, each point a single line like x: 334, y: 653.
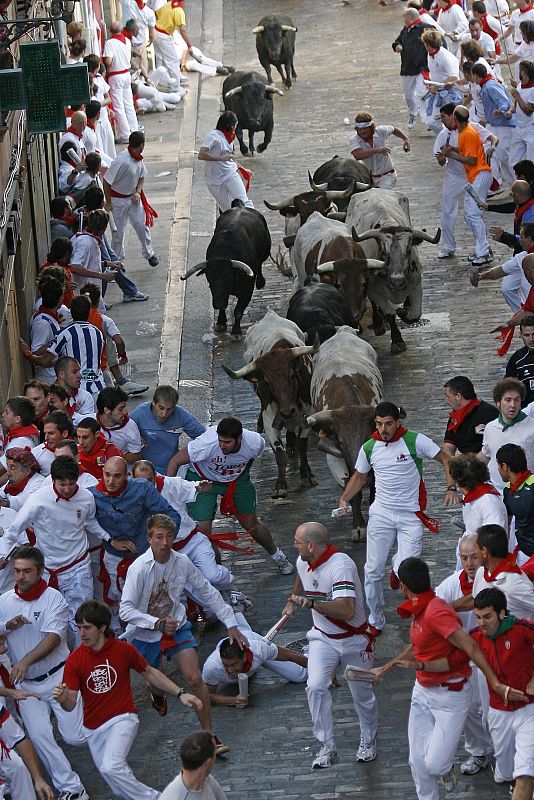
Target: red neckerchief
x: 71, y: 407
x: 479, y: 491
x: 50, y: 449
x: 60, y: 496
x: 70, y: 129
x: 415, y: 605
x: 485, y: 80
x: 101, y: 486
x: 229, y: 136
x: 126, y: 32
x: 447, y: 7
x: 505, y: 565
x: 113, y: 427
x: 521, y: 478
x: 50, y: 313
x: 91, y: 124
x: 529, y: 85
x: 432, y: 52
x: 457, y: 417
x: 160, y: 480
x: 520, y: 210
x: 399, y: 433
x: 120, y: 36
x: 249, y: 657
x: 136, y: 156
x: 416, y: 21
x: 524, y: 10
x: 330, y: 551
x: 87, y: 233
x: 34, y: 593
x: 16, y: 488
x: 140, y: 4
x: 20, y: 430
x: 466, y: 584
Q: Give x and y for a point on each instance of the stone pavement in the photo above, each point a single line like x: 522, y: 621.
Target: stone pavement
x: 345, y: 63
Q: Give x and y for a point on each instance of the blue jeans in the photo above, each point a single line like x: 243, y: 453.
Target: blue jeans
x: 126, y: 286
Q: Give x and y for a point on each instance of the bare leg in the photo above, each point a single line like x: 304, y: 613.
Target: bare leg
x: 187, y: 661
x: 259, y: 532
x: 524, y: 786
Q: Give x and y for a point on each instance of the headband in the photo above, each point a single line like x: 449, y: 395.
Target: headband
x: 364, y: 124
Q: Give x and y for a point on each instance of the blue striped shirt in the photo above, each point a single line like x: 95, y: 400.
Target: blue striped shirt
x: 84, y: 342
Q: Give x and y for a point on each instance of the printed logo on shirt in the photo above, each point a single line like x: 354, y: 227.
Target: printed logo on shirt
x: 79, y: 513
x: 403, y: 457
x: 531, y: 385
x: 102, y: 678
x: 36, y: 614
x: 177, y: 431
x: 316, y: 584
x: 507, y: 644
x: 100, y: 461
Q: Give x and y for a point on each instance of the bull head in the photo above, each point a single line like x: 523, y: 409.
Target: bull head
x: 249, y: 369
x: 323, y: 187
x: 283, y: 204
x: 204, y: 264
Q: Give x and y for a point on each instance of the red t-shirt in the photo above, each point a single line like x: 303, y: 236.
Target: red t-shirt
x: 103, y: 678
x: 428, y: 635
x: 511, y: 656
x: 95, y: 460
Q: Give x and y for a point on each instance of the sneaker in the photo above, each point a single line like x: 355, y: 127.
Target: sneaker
x: 394, y: 581
x: 220, y: 747
x: 71, y: 796
x: 446, y: 254
x: 240, y: 599
x: 411, y: 122
x: 284, y: 565
x: 366, y: 752
x: 159, y: 702
x: 479, y: 262
x: 495, y: 188
x: 473, y: 256
x: 153, y: 260
x: 474, y: 764
x: 130, y: 387
x: 497, y: 777
x: 325, y: 757
x: 135, y: 298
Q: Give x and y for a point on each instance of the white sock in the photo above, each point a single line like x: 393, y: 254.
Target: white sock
x: 278, y: 554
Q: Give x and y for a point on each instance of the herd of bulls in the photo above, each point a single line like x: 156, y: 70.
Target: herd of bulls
x: 349, y: 243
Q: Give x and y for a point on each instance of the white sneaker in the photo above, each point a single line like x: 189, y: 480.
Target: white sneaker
x: 411, y: 122
x: 135, y: 298
x: 238, y: 598
x: 446, y: 254
x: 71, y: 796
x: 366, y: 752
x: 474, y: 764
x: 284, y: 565
x: 131, y: 387
x: 325, y: 757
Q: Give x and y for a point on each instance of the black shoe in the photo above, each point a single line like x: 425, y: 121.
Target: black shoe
x: 153, y: 260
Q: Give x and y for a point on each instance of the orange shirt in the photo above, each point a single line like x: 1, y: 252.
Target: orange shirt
x: 470, y: 145
x: 95, y: 318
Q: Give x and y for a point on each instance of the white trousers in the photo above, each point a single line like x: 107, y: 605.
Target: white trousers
x: 149, y: 99
x: 413, y: 89
x: 324, y: 656
x: 511, y: 290
x: 513, y: 741
x: 36, y: 717
x: 206, y: 66
x: 474, y: 216
x: 13, y: 770
x: 167, y: 54
x: 109, y: 745
x: 76, y: 586
x: 386, y: 181
x: 522, y: 144
x: 286, y: 669
x: 125, y: 211
x: 104, y: 131
x: 437, y: 718
x: 500, y: 162
x: 382, y: 530
x: 200, y: 551
x: 453, y: 187
x: 477, y: 738
x: 120, y: 89
x: 232, y: 189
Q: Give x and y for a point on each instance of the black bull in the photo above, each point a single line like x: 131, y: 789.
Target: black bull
x: 275, y: 43
x: 240, y: 244
x: 250, y: 97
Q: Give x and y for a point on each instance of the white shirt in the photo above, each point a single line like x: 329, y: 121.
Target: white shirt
x: 214, y: 465
x: 443, y: 65
x: 213, y: 671
x: 450, y: 590
x: 522, y: 433
x: 120, y: 54
x: 518, y: 589
x: 336, y: 577
x: 176, y: 790
x: 514, y: 265
x: 396, y: 474
x: 525, y: 51
x: 485, y: 41
x: 127, y: 438
x: 16, y: 501
x: 59, y: 525
x: 145, y: 19
x: 65, y: 317
x: 49, y: 613
x: 516, y: 19
x: 177, y: 492
x: 217, y: 172
x: 525, y: 121
x: 378, y: 163
x: 124, y: 173
x: 142, y: 580
x: 453, y: 21
x: 76, y: 144
x: 86, y: 253
x: 85, y: 404
x: 429, y: 20
x: 44, y: 458
x: 486, y: 510
x: 497, y: 8
x: 19, y: 441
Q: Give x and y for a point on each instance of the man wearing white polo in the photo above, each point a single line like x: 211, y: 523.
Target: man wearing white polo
x: 118, y: 58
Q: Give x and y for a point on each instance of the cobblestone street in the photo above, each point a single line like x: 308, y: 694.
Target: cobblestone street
x: 344, y: 63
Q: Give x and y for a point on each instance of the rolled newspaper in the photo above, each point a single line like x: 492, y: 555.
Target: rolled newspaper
x: 73, y: 155
x: 358, y: 674
x: 242, y: 679
x: 269, y: 636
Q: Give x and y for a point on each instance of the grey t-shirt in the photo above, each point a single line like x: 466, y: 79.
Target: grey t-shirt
x: 178, y: 791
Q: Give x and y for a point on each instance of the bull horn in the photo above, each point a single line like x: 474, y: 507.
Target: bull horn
x: 274, y: 90
x: 372, y: 233
x: 192, y: 270
x: 341, y: 216
x: 232, y: 92
x: 339, y: 194
x: 326, y: 445
x: 375, y: 263
x: 319, y: 416
x: 258, y: 29
x: 426, y: 237
x: 328, y: 266
x: 304, y: 350
x: 362, y: 187
x: 317, y: 187
x: 289, y: 241
x: 278, y: 206
x: 288, y: 28
x: 243, y: 267
x: 241, y: 373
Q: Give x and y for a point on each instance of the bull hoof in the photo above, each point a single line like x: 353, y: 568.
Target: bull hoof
x: 279, y: 493
x: 403, y: 315
x: 379, y: 330
x: 262, y: 147
x: 236, y: 337
x: 244, y: 150
x: 308, y: 480
x: 397, y: 347
x: 220, y: 327
x: 358, y: 535
x: 260, y: 282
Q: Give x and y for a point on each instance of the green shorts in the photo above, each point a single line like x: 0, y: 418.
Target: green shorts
x: 205, y: 506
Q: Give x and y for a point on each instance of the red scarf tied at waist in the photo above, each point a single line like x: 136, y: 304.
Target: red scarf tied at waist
x: 456, y: 417
x: 415, y: 605
x: 506, y: 565
x: 520, y: 479
x: 34, y: 593
x: 479, y: 491
x: 466, y: 584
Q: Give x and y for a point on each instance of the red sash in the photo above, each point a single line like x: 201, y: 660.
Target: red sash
x: 53, y: 580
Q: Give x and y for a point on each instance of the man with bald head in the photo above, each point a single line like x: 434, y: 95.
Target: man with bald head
x: 123, y: 508
x: 413, y: 57
x: 117, y: 57
x: 328, y: 584
x: 71, y: 152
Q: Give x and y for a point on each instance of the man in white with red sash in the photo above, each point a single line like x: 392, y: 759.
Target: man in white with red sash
x: 116, y: 425
x: 452, y: 19
x: 18, y: 419
x: 118, y: 57
x: 125, y: 196
x: 398, y: 511
x: 71, y: 151
x: 57, y: 426
x: 329, y: 584
x: 500, y: 571
x: 69, y: 377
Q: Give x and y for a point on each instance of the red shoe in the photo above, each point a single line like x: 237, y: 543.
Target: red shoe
x: 394, y: 581
x: 159, y: 702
